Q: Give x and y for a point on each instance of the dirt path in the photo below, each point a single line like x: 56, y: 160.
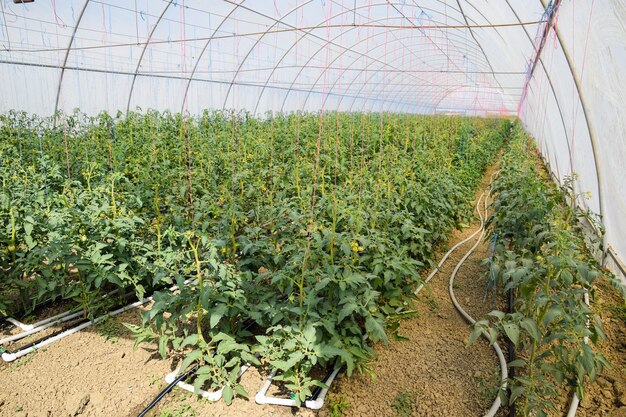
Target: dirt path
x: 433, y: 373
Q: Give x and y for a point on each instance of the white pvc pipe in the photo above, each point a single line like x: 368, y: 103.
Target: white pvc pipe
x: 209, y: 395
x: 55, y: 320
x: 503, y: 365
x: 318, y: 403
x: 10, y: 357
x: 19, y: 324
x: 30, y: 329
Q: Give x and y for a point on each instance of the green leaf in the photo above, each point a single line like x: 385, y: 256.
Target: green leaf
x: 551, y: 315
x: 228, y: 394
x: 241, y: 391
x: 216, y: 314
x: 345, y: 311
x: 531, y: 328
x: 497, y: 314
x: 192, y: 339
x: 163, y: 346
x: 476, y: 332
x: 375, y: 329
x: 191, y: 357
x: 517, y: 363
x: 512, y: 332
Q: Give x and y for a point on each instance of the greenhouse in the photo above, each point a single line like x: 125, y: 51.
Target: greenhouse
x: 312, y: 208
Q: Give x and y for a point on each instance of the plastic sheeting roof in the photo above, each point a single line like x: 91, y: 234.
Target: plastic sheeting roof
x: 420, y: 56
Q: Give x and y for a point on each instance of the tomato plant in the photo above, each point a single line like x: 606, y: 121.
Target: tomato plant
x: 302, y: 233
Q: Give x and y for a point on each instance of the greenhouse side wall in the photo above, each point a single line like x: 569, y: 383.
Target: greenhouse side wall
x: 585, y: 137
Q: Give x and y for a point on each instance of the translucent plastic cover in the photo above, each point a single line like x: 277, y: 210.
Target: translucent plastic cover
x: 418, y: 56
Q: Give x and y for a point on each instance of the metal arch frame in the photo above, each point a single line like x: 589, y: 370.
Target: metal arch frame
x: 143, y: 51
x: 376, y: 85
x: 197, y: 62
x: 422, y: 58
x: 327, y: 42
x: 348, y: 67
x: 166, y: 77
x: 478, y: 43
x: 243, y: 61
x: 415, y: 5
x: 304, y: 66
x: 592, y: 136
x: 425, y: 104
x: 483, y: 16
x: 325, y: 45
x: 466, y: 20
x: 366, y: 68
x: 446, y: 34
x: 204, y: 48
x: 67, y: 54
x: 547, y: 74
x: 447, y: 94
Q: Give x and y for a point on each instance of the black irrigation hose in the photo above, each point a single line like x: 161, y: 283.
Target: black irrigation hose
x: 511, y: 352
x: 20, y: 314
x: 166, y: 391
x: 316, y: 392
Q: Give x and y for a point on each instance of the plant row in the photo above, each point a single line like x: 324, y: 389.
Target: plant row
x: 542, y: 255
x: 302, y: 232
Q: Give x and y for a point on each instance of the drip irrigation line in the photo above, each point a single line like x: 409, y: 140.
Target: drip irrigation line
x: 503, y: 364
x: 30, y: 329
x: 452, y: 249
x: 20, y: 314
x: 34, y: 343
x: 74, y: 319
x: 167, y: 390
x: 53, y: 321
x: 257, y: 33
x: 511, y: 347
x: 318, y: 390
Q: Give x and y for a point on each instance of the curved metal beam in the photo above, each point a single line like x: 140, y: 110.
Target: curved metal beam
x: 363, y: 70
x: 143, y: 51
x: 324, y: 40
x: 478, y: 43
x: 204, y: 48
x: 545, y: 71
x: 243, y: 61
x: 67, y: 54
